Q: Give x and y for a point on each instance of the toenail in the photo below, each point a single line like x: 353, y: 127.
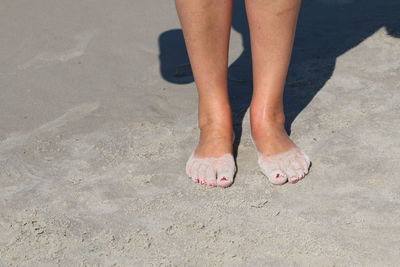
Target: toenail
x: 224, y: 179
x: 197, y: 180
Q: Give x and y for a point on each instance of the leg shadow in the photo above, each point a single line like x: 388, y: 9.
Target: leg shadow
x: 174, y: 60
x: 326, y: 29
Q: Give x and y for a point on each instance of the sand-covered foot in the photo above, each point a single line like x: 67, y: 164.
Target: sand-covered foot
x: 278, y: 157
x: 291, y: 166
x: 211, y: 171
x: 212, y: 162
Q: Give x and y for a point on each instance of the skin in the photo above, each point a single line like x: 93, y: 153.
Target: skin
x: 272, y: 27
x: 206, y: 26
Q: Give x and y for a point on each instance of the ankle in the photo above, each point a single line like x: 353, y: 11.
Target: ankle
x: 216, y: 130
x: 217, y: 119
x: 266, y: 117
x: 216, y: 139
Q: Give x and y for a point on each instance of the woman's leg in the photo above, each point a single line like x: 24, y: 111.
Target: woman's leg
x: 272, y: 27
x: 206, y: 26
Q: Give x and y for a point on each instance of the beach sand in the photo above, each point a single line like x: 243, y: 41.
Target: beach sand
x: 94, y: 140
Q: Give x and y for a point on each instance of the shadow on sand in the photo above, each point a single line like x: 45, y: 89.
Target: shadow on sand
x: 326, y: 29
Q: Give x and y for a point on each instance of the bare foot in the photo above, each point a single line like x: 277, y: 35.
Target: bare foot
x: 278, y: 157
x: 212, y: 163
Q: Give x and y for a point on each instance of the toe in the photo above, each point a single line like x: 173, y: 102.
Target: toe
x: 294, y: 179
x: 225, y: 177
x: 272, y: 171
x: 202, y: 173
x: 307, y: 160
x: 302, y: 163
x: 195, y: 172
x: 211, y: 176
x: 225, y: 168
x: 298, y: 167
x: 291, y: 173
x: 300, y: 174
x: 295, y: 176
x: 277, y: 177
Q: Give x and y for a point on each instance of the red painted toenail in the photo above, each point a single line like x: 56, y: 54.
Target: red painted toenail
x: 277, y: 175
x: 224, y: 179
x: 197, y: 180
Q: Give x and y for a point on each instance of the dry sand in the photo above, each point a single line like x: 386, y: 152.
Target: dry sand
x: 93, y: 143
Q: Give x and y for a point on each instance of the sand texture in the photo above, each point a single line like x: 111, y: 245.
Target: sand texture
x: 98, y: 117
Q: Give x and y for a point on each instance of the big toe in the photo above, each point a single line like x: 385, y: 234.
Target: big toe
x: 277, y: 177
x: 225, y: 179
x: 225, y: 171
x: 272, y: 171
